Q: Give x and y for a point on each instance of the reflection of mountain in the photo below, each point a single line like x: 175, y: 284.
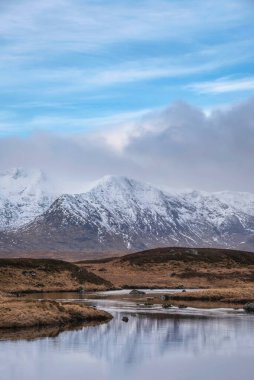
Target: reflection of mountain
x: 144, y: 348
x: 149, y: 337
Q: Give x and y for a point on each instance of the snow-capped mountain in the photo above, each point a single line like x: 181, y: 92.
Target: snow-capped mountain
x: 242, y: 201
x: 121, y: 214
x: 24, y: 194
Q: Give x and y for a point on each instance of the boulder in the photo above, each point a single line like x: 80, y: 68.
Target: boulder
x: 125, y: 319
x: 136, y: 292
x: 165, y: 297
x: 249, y: 307
x: 167, y: 305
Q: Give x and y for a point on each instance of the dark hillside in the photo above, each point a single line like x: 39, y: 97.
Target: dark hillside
x: 193, y: 255
x: 46, y: 275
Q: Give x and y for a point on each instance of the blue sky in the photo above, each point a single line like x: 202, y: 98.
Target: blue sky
x: 77, y: 65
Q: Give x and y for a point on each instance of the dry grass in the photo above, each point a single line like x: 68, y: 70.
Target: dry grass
x: 29, y: 313
x: 27, y: 275
x: 173, y: 274
x: 171, y: 267
x: 233, y: 295
x: 227, y: 276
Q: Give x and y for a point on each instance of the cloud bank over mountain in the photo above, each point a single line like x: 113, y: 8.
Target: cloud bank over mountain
x: 177, y: 147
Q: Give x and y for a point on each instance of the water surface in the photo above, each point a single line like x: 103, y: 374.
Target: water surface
x: 176, y: 344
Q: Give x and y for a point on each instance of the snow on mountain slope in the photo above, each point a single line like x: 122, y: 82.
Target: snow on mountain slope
x: 118, y: 213
x: 212, y: 207
x: 123, y: 214
x: 239, y: 200
x: 24, y: 194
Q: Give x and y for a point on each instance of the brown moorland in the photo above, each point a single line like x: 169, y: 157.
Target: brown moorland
x: 23, y: 313
x: 47, y: 275
x: 228, y: 275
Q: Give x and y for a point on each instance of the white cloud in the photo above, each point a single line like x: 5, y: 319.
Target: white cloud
x: 224, y: 85
x: 65, y: 80
x: 68, y: 124
x: 177, y: 147
x: 36, y: 30
x: 54, y: 48
x: 89, y: 24
x: 138, y: 71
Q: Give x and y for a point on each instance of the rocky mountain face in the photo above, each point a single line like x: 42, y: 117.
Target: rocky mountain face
x: 121, y: 214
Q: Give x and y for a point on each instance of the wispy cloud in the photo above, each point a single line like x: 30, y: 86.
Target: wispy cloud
x: 64, y: 124
x: 72, y: 80
x: 224, y: 85
x: 151, y: 70
x: 75, y: 60
x: 85, y: 25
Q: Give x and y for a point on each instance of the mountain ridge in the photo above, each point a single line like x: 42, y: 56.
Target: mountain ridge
x: 122, y: 214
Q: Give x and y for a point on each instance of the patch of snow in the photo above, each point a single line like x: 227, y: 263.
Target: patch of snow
x: 24, y: 194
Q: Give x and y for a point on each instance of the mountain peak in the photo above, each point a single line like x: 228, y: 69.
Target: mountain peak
x: 122, y: 213
x: 24, y: 194
x: 122, y: 183
x: 114, y: 180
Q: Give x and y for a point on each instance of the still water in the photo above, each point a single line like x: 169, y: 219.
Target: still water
x: 174, y: 344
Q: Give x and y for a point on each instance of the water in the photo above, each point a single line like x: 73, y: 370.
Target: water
x: 150, y: 291
x: 174, y: 344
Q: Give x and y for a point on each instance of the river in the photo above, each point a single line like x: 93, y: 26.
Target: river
x: 177, y: 344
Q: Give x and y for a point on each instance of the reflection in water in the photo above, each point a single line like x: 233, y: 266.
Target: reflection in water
x: 31, y: 333
x: 147, y: 346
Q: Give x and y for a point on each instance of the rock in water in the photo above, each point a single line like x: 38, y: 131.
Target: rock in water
x: 136, y: 292
x: 249, y: 307
x: 165, y: 297
x: 167, y: 305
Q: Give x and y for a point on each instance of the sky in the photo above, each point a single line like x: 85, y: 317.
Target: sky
x: 158, y: 90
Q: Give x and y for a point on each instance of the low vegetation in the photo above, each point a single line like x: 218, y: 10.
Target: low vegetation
x: 47, y: 275
x: 221, y: 276
x: 178, y: 267
x: 23, y: 313
x: 233, y: 295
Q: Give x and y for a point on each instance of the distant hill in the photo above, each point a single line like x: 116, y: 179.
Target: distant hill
x: 187, y: 255
x: 178, y: 267
x: 181, y: 254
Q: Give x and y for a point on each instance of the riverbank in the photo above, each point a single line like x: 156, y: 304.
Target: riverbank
x: 23, y: 313
x: 208, y: 298
x: 223, y: 278
x: 234, y: 295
